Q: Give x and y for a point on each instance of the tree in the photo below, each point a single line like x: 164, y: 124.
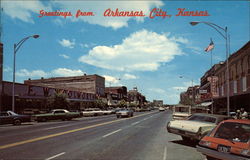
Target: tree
x: 59, y: 100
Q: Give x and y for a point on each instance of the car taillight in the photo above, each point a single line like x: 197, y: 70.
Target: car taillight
x: 245, y: 152
x: 204, y: 143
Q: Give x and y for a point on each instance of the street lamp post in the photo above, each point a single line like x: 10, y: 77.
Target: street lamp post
x: 16, y: 48
x: 225, y: 36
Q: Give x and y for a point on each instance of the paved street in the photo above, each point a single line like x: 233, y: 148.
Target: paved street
x: 142, y: 137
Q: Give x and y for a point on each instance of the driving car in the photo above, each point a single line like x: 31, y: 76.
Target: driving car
x: 9, y: 117
x: 196, y: 126
x: 124, y: 113
x: 56, y: 114
x: 230, y: 140
x: 161, y: 109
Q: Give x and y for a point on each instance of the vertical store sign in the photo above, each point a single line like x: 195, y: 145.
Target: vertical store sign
x: 213, y: 86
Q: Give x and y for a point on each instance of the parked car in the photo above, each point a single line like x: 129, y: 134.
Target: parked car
x: 91, y: 112
x: 10, y: 117
x: 124, y: 113
x: 56, y: 114
x: 230, y: 140
x: 196, y: 126
x: 181, y: 112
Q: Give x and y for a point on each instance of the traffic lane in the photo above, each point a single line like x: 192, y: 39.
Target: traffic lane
x: 19, y: 133
x: 61, y: 134
x: 34, y: 124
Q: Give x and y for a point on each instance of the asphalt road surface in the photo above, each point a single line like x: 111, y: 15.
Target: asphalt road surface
x: 142, y: 137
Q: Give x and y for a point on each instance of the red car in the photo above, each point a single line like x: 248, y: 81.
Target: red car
x: 230, y: 140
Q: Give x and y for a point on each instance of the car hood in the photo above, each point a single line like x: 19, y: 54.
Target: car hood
x: 191, y: 126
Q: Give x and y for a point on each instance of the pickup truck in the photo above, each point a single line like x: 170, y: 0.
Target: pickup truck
x: 56, y: 114
x: 9, y: 117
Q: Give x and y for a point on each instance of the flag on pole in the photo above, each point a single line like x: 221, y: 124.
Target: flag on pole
x: 210, y: 46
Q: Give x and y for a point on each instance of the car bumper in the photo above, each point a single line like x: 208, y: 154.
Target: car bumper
x: 183, y: 133
x: 219, y: 155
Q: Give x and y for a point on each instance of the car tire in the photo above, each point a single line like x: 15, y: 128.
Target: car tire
x: 17, y: 122
x: 44, y: 120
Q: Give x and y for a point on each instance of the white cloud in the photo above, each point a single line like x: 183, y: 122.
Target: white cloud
x: 56, y: 72
x: 23, y: 9
x: 129, y: 76
x: 142, y: 51
x: 67, y: 43
x: 99, y: 7
x: 67, y: 72
x: 64, y: 56
x: 110, y: 80
x: 7, y: 69
x: 30, y: 74
x: 157, y: 90
x: 180, y: 88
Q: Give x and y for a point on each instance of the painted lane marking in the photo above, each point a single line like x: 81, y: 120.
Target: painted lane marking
x: 55, y: 156
x: 111, y: 133
x: 165, y: 153
x: 63, y: 133
x: 136, y: 123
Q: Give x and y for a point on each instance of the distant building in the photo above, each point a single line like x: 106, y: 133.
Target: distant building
x: 158, y: 103
x: 93, y: 84
x: 116, y: 94
x: 191, y: 96
x: 136, y: 98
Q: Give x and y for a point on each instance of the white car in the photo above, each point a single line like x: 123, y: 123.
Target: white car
x: 196, y: 126
x: 181, y: 112
x: 161, y: 109
x: 91, y: 112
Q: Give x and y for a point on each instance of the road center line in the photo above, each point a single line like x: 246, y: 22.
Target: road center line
x: 112, y: 133
x: 65, y: 132
x: 136, y: 123
x: 55, y: 156
x: 165, y: 153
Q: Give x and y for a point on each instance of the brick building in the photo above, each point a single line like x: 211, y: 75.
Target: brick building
x: 239, y: 80
x: 136, y: 98
x: 93, y: 84
x: 116, y: 94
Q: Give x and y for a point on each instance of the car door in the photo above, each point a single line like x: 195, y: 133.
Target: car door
x: 5, y: 118
x: 59, y: 115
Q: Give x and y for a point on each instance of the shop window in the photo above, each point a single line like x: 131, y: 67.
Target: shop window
x: 235, y: 86
x: 244, y: 84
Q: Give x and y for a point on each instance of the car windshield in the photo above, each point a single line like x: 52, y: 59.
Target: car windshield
x: 13, y: 113
x: 236, y: 132
x: 201, y: 118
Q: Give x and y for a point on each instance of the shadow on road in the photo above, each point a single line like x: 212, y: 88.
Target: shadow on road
x: 185, y: 143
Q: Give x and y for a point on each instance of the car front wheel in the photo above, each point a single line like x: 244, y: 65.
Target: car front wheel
x: 17, y: 122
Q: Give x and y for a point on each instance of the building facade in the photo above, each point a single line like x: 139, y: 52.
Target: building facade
x: 136, y: 98
x: 215, y: 82
x: 93, y: 84
x: 116, y: 94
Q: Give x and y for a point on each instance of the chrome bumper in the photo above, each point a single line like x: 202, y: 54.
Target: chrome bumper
x: 219, y: 155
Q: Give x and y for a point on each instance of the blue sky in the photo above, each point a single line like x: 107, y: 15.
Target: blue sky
x: 148, y: 53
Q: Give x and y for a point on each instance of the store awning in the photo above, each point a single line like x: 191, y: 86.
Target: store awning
x: 205, y: 104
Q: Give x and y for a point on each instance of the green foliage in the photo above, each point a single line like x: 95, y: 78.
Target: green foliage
x: 58, y: 100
